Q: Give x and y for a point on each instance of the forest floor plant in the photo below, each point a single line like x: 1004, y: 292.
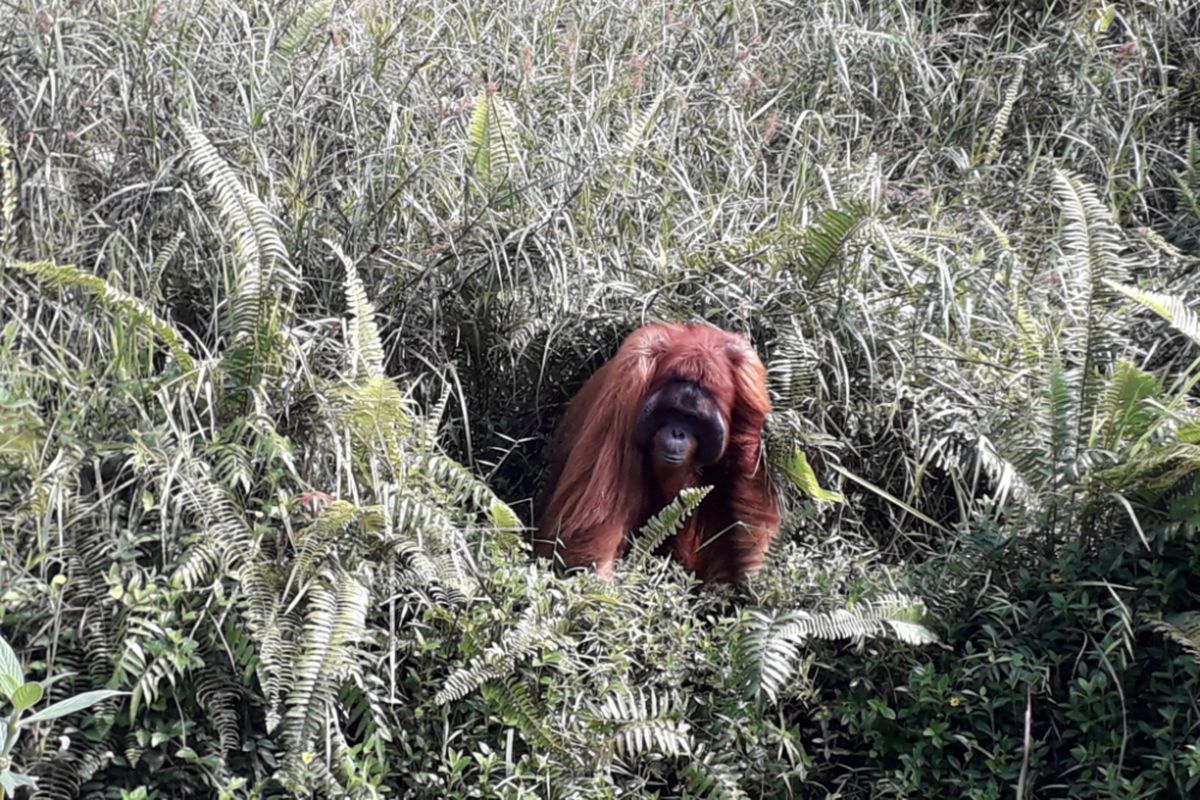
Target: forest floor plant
x: 294, y: 293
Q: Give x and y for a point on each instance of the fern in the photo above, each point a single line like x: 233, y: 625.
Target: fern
x: 263, y: 265
x: 8, y: 193
x: 337, y: 610
x: 666, y: 523
x: 427, y: 439
x: 158, y: 268
x: 517, y: 703
x: 492, y: 141
x: 302, y: 27
x: 711, y: 780
x: 1173, y: 308
x: 639, y: 724
x: 320, y: 538
x: 365, y: 345
x: 793, y: 370
x: 825, y: 239
x: 1000, y: 125
x: 767, y: 652
x: 769, y: 647
x: 635, y: 134
x: 1093, y: 262
x: 533, y: 632
x: 1183, y: 629
x: 64, y: 276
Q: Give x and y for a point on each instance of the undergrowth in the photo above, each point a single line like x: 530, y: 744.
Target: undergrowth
x: 294, y: 293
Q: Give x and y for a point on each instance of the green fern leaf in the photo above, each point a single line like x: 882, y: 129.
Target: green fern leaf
x: 64, y: 276
x: 302, y: 27
x: 492, y: 140
x: 364, y: 342
x: 825, y: 239
x: 666, y: 523
x: 1173, y: 308
x: 8, y: 192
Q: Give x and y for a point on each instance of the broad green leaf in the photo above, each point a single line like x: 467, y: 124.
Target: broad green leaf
x: 9, y: 666
x: 72, y: 704
x: 27, y: 696
x: 11, y: 781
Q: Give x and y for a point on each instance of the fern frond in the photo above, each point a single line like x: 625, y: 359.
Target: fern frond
x: 635, y: 134
x: 8, y: 192
x: 1000, y: 125
x: 220, y: 695
x: 769, y: 647
x: 711, y: 780
x: 766, y: 653
x: 1173, y: 308
x: 666, y: 523
x: 459, y: 482
x: 825, y: 239
x: 792, y: 371
x: 492, y: 140
x: 365, y: 345
x: 302, y: 27
x: 336, y: 620
x: 378, y: 418
x: 154, y: 279
x: 535, y: 631
x: 640, y: 723
x: 318, y: 539
x: 65, y: 276
x: 1091, y: 244
x: 263, y: 263
x: 427, y: 439
x: 1183, y: 629
x: 1124, y: 412
x: 518, y: 703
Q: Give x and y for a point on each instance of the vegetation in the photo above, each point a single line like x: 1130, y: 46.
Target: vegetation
x: 294, y: 292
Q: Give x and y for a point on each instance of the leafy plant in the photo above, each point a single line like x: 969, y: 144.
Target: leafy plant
x: 22, y: 696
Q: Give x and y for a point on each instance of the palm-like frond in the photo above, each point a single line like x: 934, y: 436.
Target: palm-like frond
x: 533, y: 632
x: 365, y: 347
x: 769, y: 648
x: 302, y: 26
x: 1183, y: 629
x: 336, y: 619
x: 1173, y: 308
x: 262, y: 258
x: 1000, y: 124
x: 636, y: 724
x: 492, y: 140
x: 667, y: 522
x: 1093, y: 262
x: 8, y: 192
x: 66, y: 276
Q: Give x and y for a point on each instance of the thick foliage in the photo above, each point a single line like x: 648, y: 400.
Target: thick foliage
x: 288, y: 285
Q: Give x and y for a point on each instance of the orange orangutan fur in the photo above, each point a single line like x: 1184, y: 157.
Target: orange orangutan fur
x: 603, y: 489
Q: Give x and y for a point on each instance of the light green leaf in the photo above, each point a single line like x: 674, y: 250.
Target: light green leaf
x: 27, y: 696
x: 11, y: 781
x: 9, y: 667
x: 71, y: 705
x: 503, y: 517
x: 800, y: 472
